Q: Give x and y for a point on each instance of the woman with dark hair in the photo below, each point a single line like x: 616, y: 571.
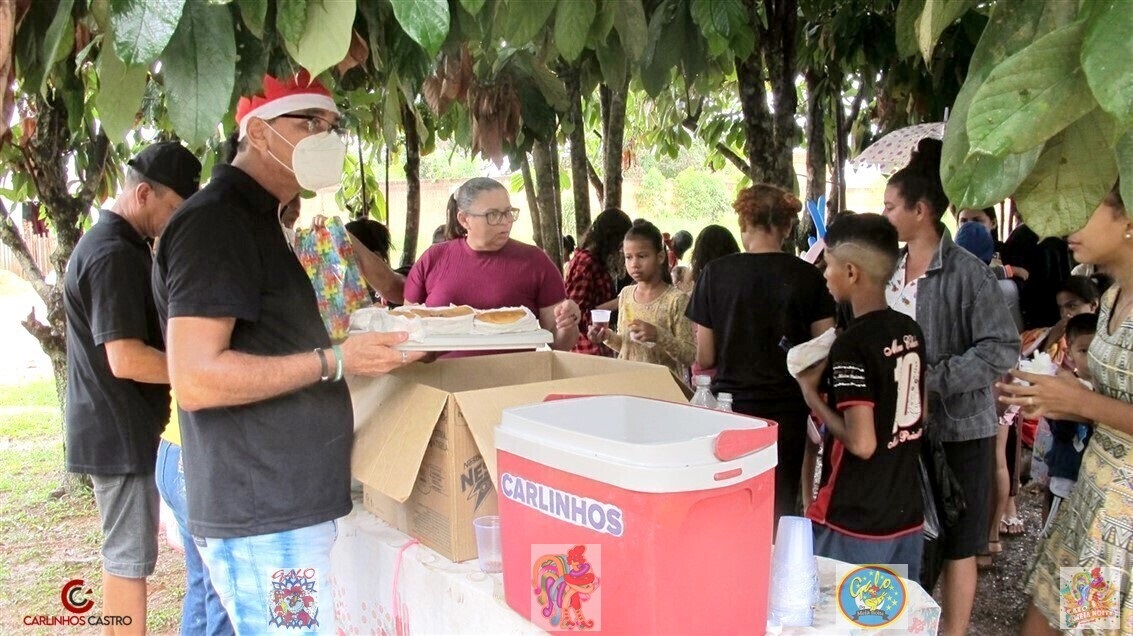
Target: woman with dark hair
x: 748, y: 307
x: 970, y: 342
x: 1090, y: 531
x: 482, y: 266
x: 590, y: 279
x: 713, y: 242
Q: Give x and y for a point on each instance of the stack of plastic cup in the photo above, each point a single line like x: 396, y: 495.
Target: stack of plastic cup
x: 794, y: 574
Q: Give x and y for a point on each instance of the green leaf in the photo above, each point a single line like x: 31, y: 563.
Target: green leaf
x: 1125, y: 167
x: 603, y: 23
x: 290, y: 19
x: 516, y: 182
x: 982, y: 180
x: 1106, y: 53
x: 142, y: 28
x: 120, y: 91
x: 326, y: 36
x: 612, y: 61
x: 572, y: 24
x: 629, y: 20
x: 254, y: 13
x: 718, y: 16
x: 199, y: 66
x: 908, y: 13
x: 668, y: 30
x: 524, y: 19
x: 553, y: 89
x: 1069, y: 180
x: 473, y: 6
x: 391, y: 112
x: 42, y: 50
x: 935, y: 18
x: 426, y: 21
x: 1031, y: 96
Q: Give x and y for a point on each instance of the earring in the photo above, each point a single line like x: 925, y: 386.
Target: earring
x: 1128, y: 236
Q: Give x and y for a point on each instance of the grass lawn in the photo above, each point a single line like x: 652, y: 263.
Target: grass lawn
x: 49, y: 540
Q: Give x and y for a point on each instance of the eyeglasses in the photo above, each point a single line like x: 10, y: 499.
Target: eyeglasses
x: 498, y: 217
x: 316, y: 124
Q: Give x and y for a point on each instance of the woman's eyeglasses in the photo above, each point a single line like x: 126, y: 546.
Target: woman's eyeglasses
x: 498, y: 217
x: 316, y: 124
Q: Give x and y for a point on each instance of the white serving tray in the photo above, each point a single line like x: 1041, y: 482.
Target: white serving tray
x: 480, y: 342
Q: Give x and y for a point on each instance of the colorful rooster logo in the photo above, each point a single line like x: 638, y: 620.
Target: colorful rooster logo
x: 562, y: 583
x: 1087, y: 597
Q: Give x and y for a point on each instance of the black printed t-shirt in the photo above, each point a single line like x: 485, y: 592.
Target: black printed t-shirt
x: 113, y: 425
x: 751, y: 302
x: 279, y: 464
x: 877, y: 361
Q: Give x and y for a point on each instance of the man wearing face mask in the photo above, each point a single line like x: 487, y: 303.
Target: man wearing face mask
x: 266, y: 421
x: 117, y: 384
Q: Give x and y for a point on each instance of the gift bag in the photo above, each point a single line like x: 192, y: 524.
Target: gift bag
x: 328, y: 258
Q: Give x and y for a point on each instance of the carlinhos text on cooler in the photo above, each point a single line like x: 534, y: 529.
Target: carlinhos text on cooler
x: 596, y: 515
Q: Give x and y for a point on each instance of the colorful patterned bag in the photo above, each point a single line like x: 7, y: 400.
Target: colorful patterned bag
x: 328, y: 258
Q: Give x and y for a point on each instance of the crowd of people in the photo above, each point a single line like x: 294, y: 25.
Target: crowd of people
x: 924, y: 434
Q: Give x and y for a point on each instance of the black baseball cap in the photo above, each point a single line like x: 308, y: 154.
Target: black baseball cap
x: 170, y: 164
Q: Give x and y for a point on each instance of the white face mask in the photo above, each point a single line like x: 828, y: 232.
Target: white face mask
x: 316, y: 161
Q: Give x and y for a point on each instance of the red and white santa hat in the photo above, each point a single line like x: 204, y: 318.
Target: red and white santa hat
x: 298, y: 92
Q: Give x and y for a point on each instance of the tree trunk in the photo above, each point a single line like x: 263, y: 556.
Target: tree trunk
x: 578, y: 163
x: 412, y: 188
x: 815, y: 137
x: 614, y: 126
x: 45, y: 158
x: 837, y: 201
x: 758, y: 127
x: 815, y: 153
x: 556, y: 179
x: 532, y: 202
x: 545, y: 189
x: 780, y: 59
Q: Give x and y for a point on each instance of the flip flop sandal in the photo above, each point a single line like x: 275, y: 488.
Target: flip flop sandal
x: 1012, y: 526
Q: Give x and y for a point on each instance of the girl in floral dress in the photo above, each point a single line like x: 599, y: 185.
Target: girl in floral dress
x: 1094, y: 527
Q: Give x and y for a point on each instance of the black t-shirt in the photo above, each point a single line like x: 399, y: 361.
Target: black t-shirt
x: 877, y: 361
x: 112, y: 424
x: 279, y: 464
x: 751, y: 302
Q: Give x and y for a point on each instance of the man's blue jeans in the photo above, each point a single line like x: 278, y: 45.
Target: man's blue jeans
x: 201, y: 611
x: 275, y: 583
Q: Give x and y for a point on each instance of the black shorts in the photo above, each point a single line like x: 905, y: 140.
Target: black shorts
x: 973, y: 463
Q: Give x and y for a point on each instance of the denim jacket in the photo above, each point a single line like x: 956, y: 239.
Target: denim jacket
x: 971, y: 341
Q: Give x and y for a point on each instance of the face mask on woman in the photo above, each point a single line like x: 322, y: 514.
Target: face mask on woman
x: 316, y: 161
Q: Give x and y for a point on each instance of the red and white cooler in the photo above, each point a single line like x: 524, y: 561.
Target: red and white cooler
x: 633, y: 516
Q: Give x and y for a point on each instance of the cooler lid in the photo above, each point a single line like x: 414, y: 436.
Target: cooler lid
x: 641, y: 444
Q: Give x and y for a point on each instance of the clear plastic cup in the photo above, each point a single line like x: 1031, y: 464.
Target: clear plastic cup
x: 489, y: 550
x: 794, y: 544
x: 600, y: 317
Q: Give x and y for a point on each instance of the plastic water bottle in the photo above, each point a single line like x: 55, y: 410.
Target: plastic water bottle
x: 724, y: 402
x: 703, y: 397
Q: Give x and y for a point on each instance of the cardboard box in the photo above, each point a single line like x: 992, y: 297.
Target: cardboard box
x: 424, y: 448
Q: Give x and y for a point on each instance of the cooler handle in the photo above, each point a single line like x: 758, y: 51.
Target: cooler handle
x: 736, y: 443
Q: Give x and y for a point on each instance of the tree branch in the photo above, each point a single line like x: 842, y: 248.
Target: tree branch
x: 11, y: 237
x: 595, y: 180
x: 690, y: 125
x: 96, y: 167
x: 48, y: 338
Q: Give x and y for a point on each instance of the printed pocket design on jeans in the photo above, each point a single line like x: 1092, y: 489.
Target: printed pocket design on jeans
x: 294, y: 599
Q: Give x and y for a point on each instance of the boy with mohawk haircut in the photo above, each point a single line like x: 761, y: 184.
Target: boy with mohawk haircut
x: 869, y: 507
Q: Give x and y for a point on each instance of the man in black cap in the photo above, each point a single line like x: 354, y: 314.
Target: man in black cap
x: 117, y: 382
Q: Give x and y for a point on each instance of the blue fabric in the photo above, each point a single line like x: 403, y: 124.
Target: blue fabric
x: 1063, y: 460
x: 201, y: 611
x: 905, y: 550
x: 976, y: 239
x: 275, y: 583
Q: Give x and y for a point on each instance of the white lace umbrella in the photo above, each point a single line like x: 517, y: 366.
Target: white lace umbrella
x: 893, y: 151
